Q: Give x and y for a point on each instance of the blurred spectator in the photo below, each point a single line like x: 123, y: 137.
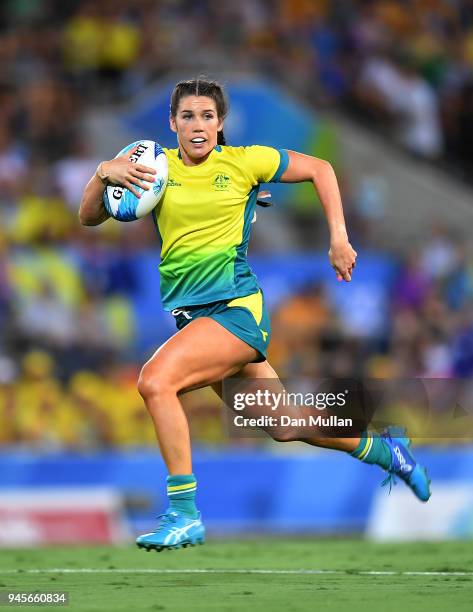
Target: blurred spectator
x: 299, y: 325
x: 459, y: 123
x: 439, y: 255
x: 48, y: 115
x: 396, y: 92
x: 413, y: 284
x: 73, y: 171
x: 13, y: 163
x: 42, y: 317
x: 99, y: 44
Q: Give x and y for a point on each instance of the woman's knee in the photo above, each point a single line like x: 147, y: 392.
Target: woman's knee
x: 154, y: 381
x: 284, y: 435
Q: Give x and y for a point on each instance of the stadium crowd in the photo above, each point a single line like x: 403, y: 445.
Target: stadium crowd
x: 406, y: 66
x: 68, y: 356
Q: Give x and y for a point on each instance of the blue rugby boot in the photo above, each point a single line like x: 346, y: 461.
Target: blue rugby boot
x: 404, y: 465
x: 174, y: 530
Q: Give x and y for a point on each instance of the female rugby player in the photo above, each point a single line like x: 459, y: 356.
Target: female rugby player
x: 204, y: 222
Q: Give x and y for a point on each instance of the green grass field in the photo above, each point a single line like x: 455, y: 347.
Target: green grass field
x: 218, y: 576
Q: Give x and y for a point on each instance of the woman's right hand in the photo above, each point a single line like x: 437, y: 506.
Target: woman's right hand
x: 121, y: 171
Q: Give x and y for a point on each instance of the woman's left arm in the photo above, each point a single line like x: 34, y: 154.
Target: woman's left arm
x: 307, y: 168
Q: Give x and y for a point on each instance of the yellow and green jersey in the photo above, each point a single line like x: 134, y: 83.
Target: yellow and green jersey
x: 204, y: 221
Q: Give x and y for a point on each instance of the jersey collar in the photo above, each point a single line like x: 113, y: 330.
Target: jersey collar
x: 217, y: 148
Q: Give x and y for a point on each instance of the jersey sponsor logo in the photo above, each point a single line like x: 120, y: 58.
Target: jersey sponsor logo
x: 264, y: 334
x: 221, y: 182
x: 173, y: 183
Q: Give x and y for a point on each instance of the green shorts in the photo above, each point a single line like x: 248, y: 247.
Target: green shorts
x: 245, y: 317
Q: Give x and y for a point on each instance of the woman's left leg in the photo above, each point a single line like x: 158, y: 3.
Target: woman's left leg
x: 389, y: 451
x: 264, y: 370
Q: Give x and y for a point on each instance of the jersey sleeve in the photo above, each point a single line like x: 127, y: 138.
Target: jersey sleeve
x: 265, y: 164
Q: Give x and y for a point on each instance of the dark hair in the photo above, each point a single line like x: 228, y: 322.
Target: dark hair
x: 202, y: 87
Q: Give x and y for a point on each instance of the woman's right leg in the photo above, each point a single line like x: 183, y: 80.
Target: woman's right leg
x: 201, y: 353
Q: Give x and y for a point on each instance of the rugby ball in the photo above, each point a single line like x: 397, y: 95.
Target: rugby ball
x: 120, y: 202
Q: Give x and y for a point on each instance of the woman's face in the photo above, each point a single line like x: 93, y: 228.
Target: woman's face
x: 196, y: 124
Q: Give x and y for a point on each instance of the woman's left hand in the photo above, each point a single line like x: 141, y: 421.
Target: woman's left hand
x: 342, y: 259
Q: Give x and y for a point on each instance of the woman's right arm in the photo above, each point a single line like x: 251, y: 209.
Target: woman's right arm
x: 92, y: 210
x: 118, y: 171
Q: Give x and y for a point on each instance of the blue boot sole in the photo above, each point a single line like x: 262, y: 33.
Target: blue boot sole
x: 159, y: 548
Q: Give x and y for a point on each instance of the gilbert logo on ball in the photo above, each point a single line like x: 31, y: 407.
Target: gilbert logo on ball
x: 120, y: 202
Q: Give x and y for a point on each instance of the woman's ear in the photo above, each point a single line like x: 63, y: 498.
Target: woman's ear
x: 172, y: 123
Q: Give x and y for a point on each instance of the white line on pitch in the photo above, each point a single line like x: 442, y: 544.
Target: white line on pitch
x: 91, y: 570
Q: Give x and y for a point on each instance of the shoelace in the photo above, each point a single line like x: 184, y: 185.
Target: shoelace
x: 390, y: 478
x: 165, y: 520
